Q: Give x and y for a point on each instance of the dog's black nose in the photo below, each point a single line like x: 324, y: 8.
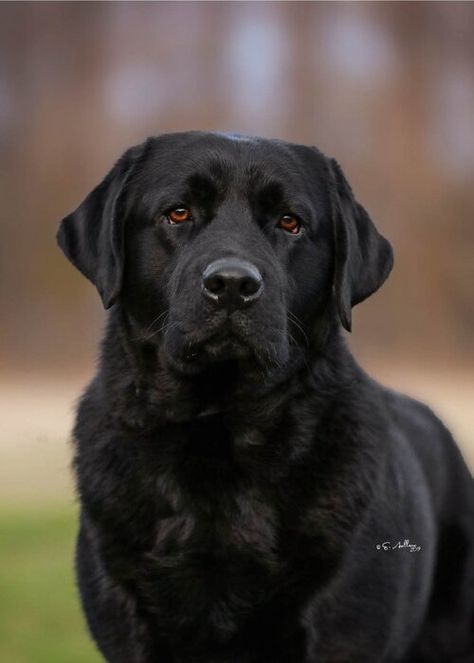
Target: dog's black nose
x: 232, y: 283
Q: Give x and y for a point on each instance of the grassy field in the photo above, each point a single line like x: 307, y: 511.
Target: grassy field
x: 40, y: 618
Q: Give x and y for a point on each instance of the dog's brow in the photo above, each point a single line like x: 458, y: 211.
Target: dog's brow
x: 271, y: 193
x: 202, y: 188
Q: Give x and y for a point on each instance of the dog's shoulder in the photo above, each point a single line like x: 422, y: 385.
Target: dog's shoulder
x: 419, y: 434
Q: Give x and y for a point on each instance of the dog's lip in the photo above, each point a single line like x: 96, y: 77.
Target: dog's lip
x: 216, y: 344
x: 215, y: 347
x: 225, y: 336
x: 196, y: 348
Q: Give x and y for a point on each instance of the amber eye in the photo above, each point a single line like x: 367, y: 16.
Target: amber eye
x: 179, y: 215
x: 290, y: 223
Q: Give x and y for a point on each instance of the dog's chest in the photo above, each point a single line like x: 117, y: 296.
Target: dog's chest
x: 215, y: 554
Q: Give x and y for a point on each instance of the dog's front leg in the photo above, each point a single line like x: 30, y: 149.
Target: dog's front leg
x: 121, y: 633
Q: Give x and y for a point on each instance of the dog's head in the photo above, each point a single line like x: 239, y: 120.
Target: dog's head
x: 226, y: 248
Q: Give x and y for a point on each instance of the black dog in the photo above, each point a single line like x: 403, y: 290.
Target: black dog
x: 248, y: 494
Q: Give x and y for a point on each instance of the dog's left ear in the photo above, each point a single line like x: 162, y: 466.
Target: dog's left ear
x: 92, y: 236
x: 363, y: 258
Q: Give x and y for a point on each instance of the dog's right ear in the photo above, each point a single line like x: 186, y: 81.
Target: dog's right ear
x: 91, y: 237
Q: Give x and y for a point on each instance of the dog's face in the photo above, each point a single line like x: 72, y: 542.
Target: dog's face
x: 230, y: 238
x: 226, y: 248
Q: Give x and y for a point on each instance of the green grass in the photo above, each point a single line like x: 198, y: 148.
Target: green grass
x: 40, y: 616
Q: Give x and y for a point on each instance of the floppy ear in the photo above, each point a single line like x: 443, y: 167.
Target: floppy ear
x: 363, y: 257
x: 92, y: 236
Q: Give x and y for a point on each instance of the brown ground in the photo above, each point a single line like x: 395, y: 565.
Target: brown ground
x: 37, y: 415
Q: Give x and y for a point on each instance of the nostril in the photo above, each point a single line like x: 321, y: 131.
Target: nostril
x: 215, y: 284
x: 249, y: 286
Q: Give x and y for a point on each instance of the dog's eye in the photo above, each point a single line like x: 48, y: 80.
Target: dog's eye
x: 290, y: 223
x: 178, y: 215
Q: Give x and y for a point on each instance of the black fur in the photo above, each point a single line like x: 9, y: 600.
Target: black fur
x: 238, y: 471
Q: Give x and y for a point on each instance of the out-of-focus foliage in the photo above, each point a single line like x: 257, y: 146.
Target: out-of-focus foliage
x: 387, y: 88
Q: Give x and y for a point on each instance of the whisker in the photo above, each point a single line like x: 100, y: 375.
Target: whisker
x: 303, y: 356
x: 297, y: 322
x: 274, y: 359
x: 144, y: 337
x: 166, y: 325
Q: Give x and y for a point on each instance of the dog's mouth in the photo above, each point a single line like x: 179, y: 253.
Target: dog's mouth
x: 219, y: 347
x: 195, y: 355
x: 191, y: 352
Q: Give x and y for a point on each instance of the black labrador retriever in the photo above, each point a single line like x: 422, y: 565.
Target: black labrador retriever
x: 248, y: 494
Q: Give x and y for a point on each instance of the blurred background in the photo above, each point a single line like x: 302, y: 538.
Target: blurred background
x: 386, y: 88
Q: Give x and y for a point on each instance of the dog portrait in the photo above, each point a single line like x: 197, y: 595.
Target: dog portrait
x: 248, y: 493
